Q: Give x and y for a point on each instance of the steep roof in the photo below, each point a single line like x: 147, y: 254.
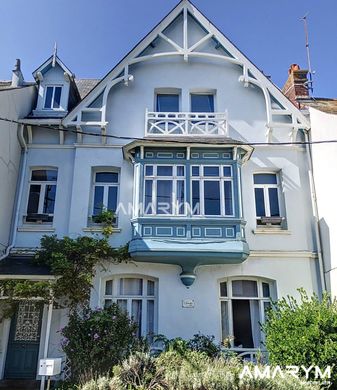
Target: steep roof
x: 326, y: 105
x: 84, y: 86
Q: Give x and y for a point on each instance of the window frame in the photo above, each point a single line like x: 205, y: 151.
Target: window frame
x: 203, y: 93
x: 230, y: 297
x: 221, y: 179
x: 174, y: 179
x: 167, y: 91
x: 106, y: 186
x: 145, y: 297
x: 43, y: 184
x: 266, y: 198
x: 52, y: 108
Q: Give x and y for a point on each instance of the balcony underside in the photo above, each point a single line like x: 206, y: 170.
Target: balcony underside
x: 189, y: 254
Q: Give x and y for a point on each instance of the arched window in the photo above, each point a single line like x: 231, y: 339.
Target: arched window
x: 243, y: 306
x: 138, y: 297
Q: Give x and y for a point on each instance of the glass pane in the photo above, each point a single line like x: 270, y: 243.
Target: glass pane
x: 195, y: 171
x: 266, y: 308
x: 265, y: 178
x: 227, y: 171
x: 223, y: 289
x: 164, y: 197
x: 98, y: 200
x: 228, y: 198
x: 49, y: 199
x: 202, y: 103
x: 136, y: 314
x: 57, y: 97
x: 122, y: 304
x: 107, y: 303
x: 150, y: 288
x: 150, y: 318
x: 148, y: 209
x: 108, y: 287
x: 212, y: 197
x: 181, y: 196
x: 180, y: 170
x: 49, y: 96
x: 149, y: 170
x: 195, y: 198
x: 112, y: 198
x: 255, y: 322
x: 273, y: 202
x: 242, y: 324
x: 244, y: 288
x: 167, y: 103
x: 211, y: 171
x: 106, y: 177
x: 224, y: 322
x: 131, y: 286
x: 259, y: 202
x: 266, y: 290
x: 164, y: 171
x: 33, y: 200
x: 44, y: 175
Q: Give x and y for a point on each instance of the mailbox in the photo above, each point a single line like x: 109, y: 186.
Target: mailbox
x: 50, y: 367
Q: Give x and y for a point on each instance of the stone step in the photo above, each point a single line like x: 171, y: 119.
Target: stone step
x: 19, y: 384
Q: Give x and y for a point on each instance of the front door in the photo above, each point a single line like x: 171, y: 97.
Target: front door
x: 24, y: 340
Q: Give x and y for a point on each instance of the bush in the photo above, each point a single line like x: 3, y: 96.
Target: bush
x: 303, y: 334
x: 96, y: 340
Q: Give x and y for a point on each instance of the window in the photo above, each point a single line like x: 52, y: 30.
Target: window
x: 267, y: 189
x: 105, y: 192
x: 42, y: 192
x: 164, y: 189
x: 167, y: 102
x: 212, y: 190
x: 202, y: 102
x: 244, y: 304
x: 137, y: 296
x: 53, y: 97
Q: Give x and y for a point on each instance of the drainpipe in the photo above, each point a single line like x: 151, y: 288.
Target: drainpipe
x: 316, y: 215
x: 18, y: 202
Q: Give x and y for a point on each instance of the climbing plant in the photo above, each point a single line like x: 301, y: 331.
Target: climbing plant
x: 73, y: 263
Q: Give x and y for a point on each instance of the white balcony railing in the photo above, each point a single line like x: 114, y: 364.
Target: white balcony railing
x: 186, y: 124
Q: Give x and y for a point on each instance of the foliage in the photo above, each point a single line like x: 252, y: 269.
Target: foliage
x: 96, y: 340
x: 107, y: 219
x: 303, y: 333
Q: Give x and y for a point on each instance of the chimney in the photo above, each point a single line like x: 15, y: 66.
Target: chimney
x: 17, y: 76
x: 296, y: 87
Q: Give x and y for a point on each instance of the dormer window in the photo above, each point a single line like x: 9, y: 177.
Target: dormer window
x: 53, y: 97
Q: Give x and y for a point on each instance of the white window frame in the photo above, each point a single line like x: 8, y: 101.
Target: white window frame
x: 144, y: 298
x: 229, y: 299
x: 221, y: 179
x: 265, y: 188
x: 174, y: 179
x: 43, y: 185
x: 106, y: 186
x: 54, y: 86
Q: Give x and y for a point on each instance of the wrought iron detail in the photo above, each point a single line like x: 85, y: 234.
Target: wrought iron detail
x: 28, y: 322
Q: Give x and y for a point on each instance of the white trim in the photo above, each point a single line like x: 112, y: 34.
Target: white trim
x: 283, y: 254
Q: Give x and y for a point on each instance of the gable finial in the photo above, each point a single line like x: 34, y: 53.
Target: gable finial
x: 54, y: 55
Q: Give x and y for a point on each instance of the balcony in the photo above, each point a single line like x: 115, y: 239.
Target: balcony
x: 186, y: 124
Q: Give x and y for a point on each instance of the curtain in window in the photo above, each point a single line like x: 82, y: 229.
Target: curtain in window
x: 131, y: 286
x: 255, y: 319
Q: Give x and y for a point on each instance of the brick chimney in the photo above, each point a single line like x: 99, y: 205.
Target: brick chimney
x: 17, y: 76
x: 296, y: 87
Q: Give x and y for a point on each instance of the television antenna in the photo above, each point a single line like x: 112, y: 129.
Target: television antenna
x: 307, y: 47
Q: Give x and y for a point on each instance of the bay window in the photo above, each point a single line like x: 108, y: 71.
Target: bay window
x: 243, y: 305
x: 164, y: 190
x: 42, y: 193
x: 136, y: 296
x: 212, y: 190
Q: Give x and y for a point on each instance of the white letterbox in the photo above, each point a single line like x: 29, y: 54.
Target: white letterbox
x: 50, y: 367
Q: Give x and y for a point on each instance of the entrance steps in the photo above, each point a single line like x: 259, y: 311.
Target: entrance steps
x: 19, y: 384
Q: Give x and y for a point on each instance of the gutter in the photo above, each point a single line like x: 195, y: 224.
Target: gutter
x: 18, y: 200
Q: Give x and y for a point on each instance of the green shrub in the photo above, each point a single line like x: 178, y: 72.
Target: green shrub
x: 206, y: 344
x: 303, y: 334
x: 97, y: 340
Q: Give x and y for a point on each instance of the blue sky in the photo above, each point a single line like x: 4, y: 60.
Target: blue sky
x: 92, y: 35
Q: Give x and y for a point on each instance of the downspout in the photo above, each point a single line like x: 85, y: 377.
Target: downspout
x: 315, y: 210
x: 18, y: 201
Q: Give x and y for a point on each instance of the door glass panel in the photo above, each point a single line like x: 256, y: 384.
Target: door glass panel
x: 242, y: 327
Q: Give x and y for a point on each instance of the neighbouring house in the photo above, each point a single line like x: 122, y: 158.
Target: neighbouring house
x: 190, y: 145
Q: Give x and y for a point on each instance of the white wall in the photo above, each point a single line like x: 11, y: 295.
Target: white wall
x: 324, y: 127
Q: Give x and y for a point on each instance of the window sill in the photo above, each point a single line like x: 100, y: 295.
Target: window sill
x: 36, y: 228
x: 98, y: 229
x: 266, y: 230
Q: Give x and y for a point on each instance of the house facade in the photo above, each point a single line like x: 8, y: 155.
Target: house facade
x: 189, y: 144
